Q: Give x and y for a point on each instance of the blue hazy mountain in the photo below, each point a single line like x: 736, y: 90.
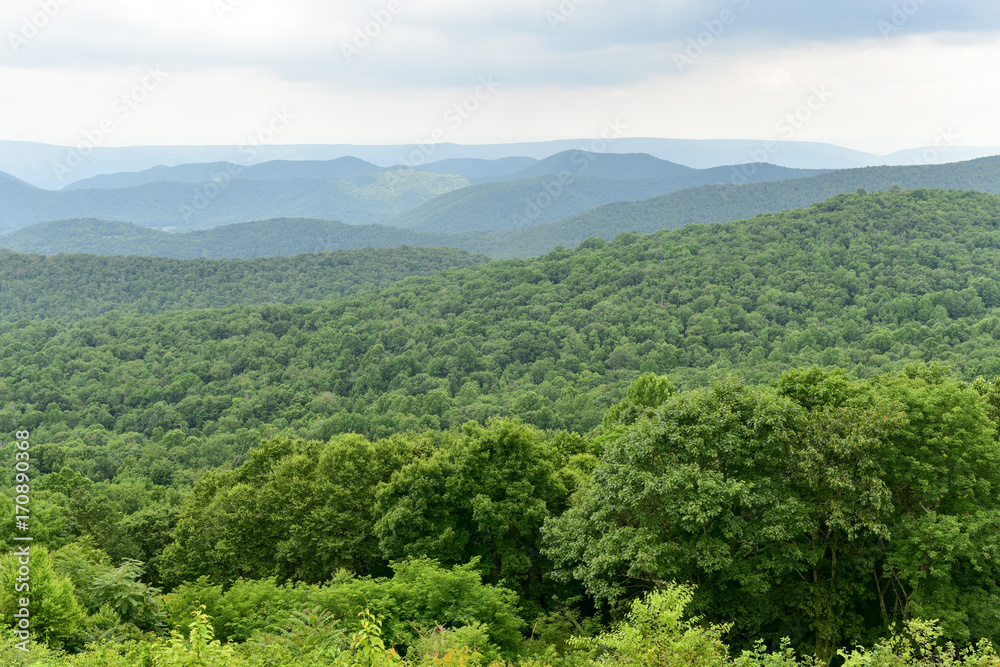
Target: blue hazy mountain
x: 346, y: 167
x: 38, y: 163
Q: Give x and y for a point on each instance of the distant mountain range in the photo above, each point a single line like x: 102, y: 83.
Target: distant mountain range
x: 511, y: 193
x: 704, y: 204
x: 249, y: 240
x: 46, y: 165
x: 226, y: 198
x: 722, y: 203
x: 346, y: 167
x: 482, y: 217
x: 517, y: 204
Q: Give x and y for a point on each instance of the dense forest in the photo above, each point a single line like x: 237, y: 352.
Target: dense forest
x: 74, y: 286
x: 246, y: 240
x: 769, y: 442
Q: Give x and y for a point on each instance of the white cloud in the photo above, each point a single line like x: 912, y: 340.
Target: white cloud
x: 607, y: 59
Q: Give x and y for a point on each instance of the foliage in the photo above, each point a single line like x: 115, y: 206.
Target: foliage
x: 496, y: 459
x: 655, y: 633
x: 55, y: 615
x: 918, y: 645
x: 152, y: 285
x: 421, y: 594
x: 296, y: 510
x: 482, y: 499
x: 197, y: 648
x: 864, y: 504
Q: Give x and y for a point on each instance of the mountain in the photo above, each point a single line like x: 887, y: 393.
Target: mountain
x: 74, y: 286
x: 514, y: 204
x: 705, y: 204
x: 441, y: 221
x: 720, y: 203
x: 341, y: 168
x: 11, y: 187
x: 187, y: 206
x: 38, y: 163
x: 478, y: 169
x: 268, y: 238
x: 200, y: 196
x: 940, y: 154
x: 601, y: 165
x: 869, y: 282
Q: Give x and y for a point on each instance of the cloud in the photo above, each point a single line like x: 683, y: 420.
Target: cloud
x: 563, y: 66
x: 445, y: 42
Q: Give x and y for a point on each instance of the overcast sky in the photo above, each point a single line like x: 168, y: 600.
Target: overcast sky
x: 869, y: 74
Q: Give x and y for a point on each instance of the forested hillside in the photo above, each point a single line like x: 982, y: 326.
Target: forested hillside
x: 75, y: 286
x: 514, y: 204
x: 482, y: 205
x: 266, y: 238
x: 720, y: 203
x: 756, y: 443
x: 872, y: 281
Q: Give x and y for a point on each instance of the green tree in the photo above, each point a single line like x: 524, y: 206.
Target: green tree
x: 844, y: 506
x: 56, y: 617
x: 484, y: 496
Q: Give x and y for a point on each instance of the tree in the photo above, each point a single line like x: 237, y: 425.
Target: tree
x: 296, y: 509
x: 482, y: 496
x: 820, y: 508
x: 56, y: 617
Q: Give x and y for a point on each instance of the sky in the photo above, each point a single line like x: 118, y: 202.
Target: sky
x: 867, y: 74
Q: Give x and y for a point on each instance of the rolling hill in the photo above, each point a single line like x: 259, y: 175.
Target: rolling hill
x: 347, y: 167
x: 603, y: 165
x: 74, y: 286
x: 705, y: 204
x: 201, y: 196
x: 720, y: 203
x: 478, y: 169
x: 515, y: 204
x: 869, y: 282
x: 187, y: 206
x: 267, y: 238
